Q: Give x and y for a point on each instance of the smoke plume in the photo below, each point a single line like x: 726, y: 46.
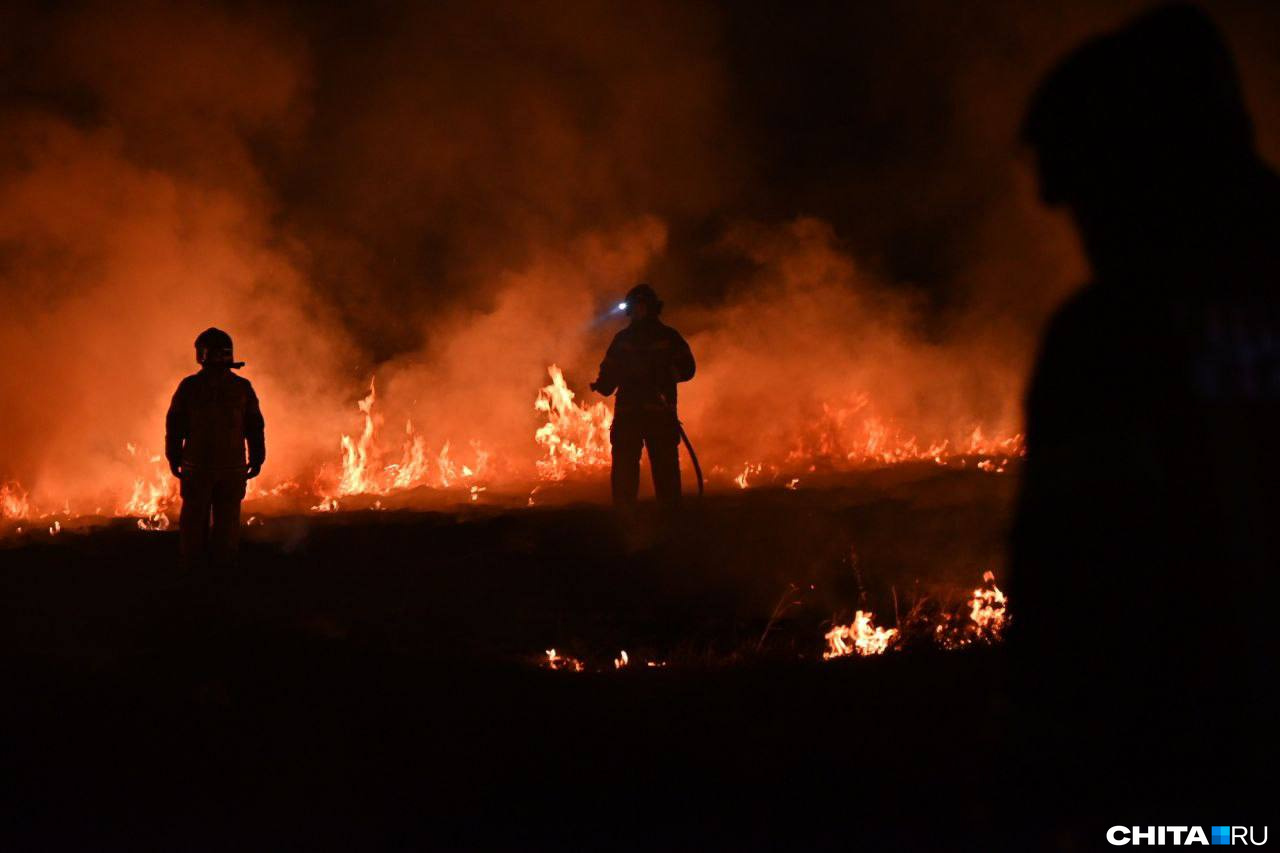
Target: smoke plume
x: 832, y: 202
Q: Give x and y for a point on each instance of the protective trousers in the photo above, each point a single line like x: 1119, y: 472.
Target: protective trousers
x: 209, y: 525
x: 659, y: 433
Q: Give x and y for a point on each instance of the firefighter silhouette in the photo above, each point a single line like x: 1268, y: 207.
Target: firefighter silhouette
x: 1145, y: 542
x: 644, y: 364
x: 214, y: 442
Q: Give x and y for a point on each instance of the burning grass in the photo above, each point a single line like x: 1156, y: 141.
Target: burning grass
x: 588, y: 584
x: 859, y: 637
x: 377, y: 462
x: 980, y: 620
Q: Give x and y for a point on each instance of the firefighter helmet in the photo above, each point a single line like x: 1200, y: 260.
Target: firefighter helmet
x: 213, y: 347
x: 643, y: 293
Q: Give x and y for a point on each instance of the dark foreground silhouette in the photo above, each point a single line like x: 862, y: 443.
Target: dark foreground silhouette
x: 1146, y: 542
x: 213, y: 421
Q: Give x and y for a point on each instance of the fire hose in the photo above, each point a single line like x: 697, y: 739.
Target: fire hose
x: 688, y: 445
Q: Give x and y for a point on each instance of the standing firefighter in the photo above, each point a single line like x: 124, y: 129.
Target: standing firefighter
x: 213, y: 419
x: 643, y: 364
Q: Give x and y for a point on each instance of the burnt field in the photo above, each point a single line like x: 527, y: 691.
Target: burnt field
x: 378, y: 678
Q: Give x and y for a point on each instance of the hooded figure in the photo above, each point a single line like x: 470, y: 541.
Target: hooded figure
x: 214, y: 442
x: 1145, y: 542
x: 643, y: 364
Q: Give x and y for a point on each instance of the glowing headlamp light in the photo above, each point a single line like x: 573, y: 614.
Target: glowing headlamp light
x: 622, y: 306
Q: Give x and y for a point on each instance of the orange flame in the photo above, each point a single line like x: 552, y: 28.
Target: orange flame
x: 859, y: 637
x: 13, y: 501
x: 749, y: 470
x: 556, y: 661
x: 574, y: 441
x: 987, y: 616
x: 363, y: 471
x: 152, y: 497
x: 575, y: 437
x: 355, y: 453
x: 988, y: 609
x: 853, y: 435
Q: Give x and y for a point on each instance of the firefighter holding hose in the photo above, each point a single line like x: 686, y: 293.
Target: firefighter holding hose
x: 214, y: 442
x: 644, y: 364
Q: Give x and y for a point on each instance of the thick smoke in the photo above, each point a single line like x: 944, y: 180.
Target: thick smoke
x: 450, y: 197
x: 132, y: 215
x: 814, y: 357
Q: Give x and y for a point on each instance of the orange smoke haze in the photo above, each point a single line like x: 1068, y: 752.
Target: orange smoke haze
x: 451, y: 199
x: 127, y: 229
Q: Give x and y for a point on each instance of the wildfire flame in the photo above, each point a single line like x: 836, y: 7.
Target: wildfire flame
x: 355, y: 453
x: 13, y: 501
x: 412, y: 467
x: 984, y: 620
x: 364, y: 470
x: 575, y: 437
x: 749, y: 470
x: 987, y: 615
x: 988, y: 609
x: 859, y: 637
x: 450, y: 473
x: 853, y: 435
x: 556, y: 661
x: 574, y: 441
x: 153, y: 496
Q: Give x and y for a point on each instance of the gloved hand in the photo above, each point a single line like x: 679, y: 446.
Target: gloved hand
x: 252, y: 471
x: 175, y: 470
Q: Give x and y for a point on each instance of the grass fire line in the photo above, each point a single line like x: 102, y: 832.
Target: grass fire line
x: 574, y: 444
x: 980, y: 620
